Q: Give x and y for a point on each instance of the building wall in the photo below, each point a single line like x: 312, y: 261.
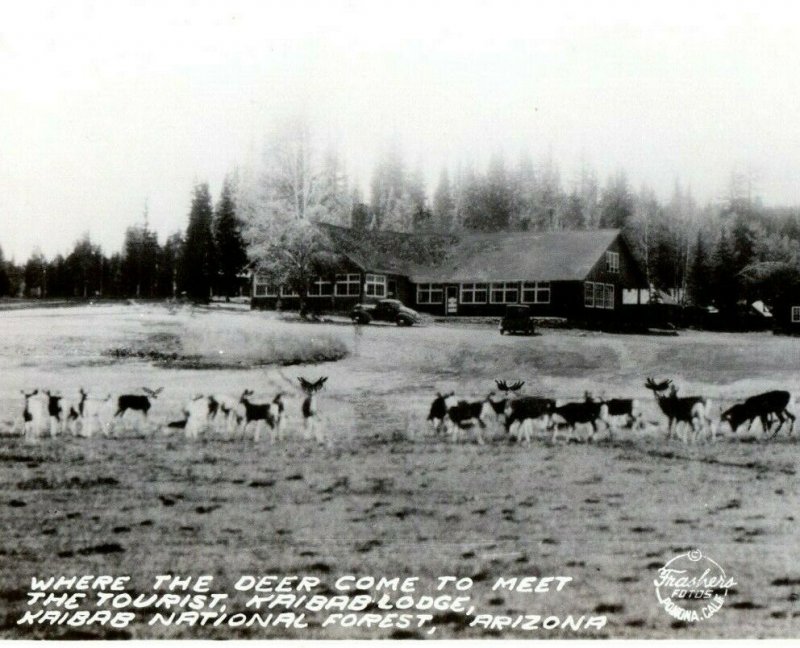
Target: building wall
x: 395, y: 287
x: 566, y: 298
x: 559, y: 292
x: 782, y: 316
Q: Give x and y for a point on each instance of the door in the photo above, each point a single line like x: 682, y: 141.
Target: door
x: 451, y: 303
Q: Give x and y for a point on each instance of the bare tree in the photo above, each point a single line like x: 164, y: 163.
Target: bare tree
x: 281, y: 211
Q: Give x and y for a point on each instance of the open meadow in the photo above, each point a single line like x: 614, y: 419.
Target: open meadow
x: 386, y: 496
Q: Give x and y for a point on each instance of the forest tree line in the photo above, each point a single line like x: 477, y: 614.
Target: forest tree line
x: 722, y: 253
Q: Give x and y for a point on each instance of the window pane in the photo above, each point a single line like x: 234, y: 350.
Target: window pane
x: 609, y: 296
x: 599, y: 294
x: 588, y: 294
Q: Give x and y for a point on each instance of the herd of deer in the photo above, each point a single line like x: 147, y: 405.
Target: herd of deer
x: 523, y: 414
x: 45, y: 411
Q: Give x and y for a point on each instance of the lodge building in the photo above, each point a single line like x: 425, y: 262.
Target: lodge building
x: 585, y: 276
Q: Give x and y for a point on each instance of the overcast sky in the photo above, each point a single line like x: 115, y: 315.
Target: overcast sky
x: 107, y: 105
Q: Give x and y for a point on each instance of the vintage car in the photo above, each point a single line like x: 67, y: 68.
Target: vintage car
x: 518, y: 319
x: 386, y: 310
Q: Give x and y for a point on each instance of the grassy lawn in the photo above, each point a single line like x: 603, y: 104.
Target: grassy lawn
x: 388, y: 498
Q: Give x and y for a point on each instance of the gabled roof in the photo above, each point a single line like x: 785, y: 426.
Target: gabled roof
x: 380, y: 251
x: 510, y: 256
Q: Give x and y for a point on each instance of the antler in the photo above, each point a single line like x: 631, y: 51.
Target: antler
x: 658, y: 387
x: 310, y: 387
x: 503, y: 386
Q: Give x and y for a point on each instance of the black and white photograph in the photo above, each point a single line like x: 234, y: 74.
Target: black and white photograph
x: 445, y: 320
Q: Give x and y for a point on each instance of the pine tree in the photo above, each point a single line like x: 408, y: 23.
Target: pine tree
x: 699, y: 272
x: 231, y: 253
x: 5, y: 283
x: 198, y: 267
x: 169, y: 264
x: 724, y: 274
x: 616, y: 205
x: 443, y: 204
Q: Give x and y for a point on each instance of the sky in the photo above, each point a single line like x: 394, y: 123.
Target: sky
x: 109, y: 106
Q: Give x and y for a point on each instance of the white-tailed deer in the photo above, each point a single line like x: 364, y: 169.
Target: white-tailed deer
x: 690, y: 410
x: 311, y: 420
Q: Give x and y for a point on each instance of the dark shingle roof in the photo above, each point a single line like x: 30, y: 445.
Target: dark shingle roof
x: 382, y: 251
x: 515, y: 256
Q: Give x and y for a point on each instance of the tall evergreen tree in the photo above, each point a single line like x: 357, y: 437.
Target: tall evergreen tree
x: 5, y: 282
x: 444, y: 204
x: 198, y: 267
x: 724, y: 273
x: 169, y: 266
x: 231, y: 252
x: 616, y: 204
x: 700, y: 271
x: 36, y: 275
x: 391, y: 201
x: 85, y: 267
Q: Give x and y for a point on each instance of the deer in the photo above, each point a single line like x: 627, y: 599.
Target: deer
x: 311, y: 420
x: 438, y: 411
x: 34, y: 415
x: 762, y: 407
x: 136, y: 403
x: 94, y: 412
x: 271, y: 414
x: 691, y: 410
x: 508, y: 390
x: 587, y: 412
x: 63, y: 413
x: 525, y: 412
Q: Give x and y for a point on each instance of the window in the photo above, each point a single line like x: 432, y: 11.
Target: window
x: 474, y: 293
x: 320, y: 288
x: 598, y: 295
x: 609, y: 296
x: 505, y: 293
x: 375, y: 285
x: 630, y: 296
x: 430, y: 293
x: 287, y: 292
x: 536, y: 292
x: 348, y: 285
x: 612, y: 261
x: 795, y: 314
x: 263, y: 288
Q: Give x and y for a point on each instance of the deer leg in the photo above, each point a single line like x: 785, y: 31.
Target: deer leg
x: 478, y: 434
x: 791, y: 420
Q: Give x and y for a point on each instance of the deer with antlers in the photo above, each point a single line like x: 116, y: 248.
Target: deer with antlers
x: 508, y: 390
x: 691, y: 410
x: 311, y: 420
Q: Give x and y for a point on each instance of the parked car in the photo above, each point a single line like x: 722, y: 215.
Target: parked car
x: 517, y: 319
x: 386, y: 310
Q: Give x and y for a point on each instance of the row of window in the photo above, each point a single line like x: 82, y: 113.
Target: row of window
x: 795, y: 314
x: 507, y: 292
x: 598, y: 295
x: 345, y: 285
x: 595, y: 295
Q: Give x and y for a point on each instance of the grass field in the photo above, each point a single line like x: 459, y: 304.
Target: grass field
x: 388, y: 498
